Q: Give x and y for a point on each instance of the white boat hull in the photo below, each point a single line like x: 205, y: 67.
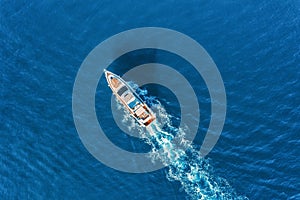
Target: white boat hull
x: 137, y: 108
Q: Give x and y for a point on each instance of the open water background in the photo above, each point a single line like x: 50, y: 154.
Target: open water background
x: 255, y: 45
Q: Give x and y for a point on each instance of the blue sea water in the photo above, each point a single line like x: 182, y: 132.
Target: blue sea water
x: 255, y: 45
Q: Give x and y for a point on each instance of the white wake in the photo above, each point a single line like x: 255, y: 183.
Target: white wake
x: 185, y: 164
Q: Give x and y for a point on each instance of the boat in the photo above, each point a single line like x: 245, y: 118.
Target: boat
x: 132, y: 102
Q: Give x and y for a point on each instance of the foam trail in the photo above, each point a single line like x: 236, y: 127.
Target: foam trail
x: 186, y: 166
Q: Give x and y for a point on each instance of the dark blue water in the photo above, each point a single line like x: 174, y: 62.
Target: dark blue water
x: 255, y: 45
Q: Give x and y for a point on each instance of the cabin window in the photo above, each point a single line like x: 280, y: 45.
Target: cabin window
x: 122, y: 90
